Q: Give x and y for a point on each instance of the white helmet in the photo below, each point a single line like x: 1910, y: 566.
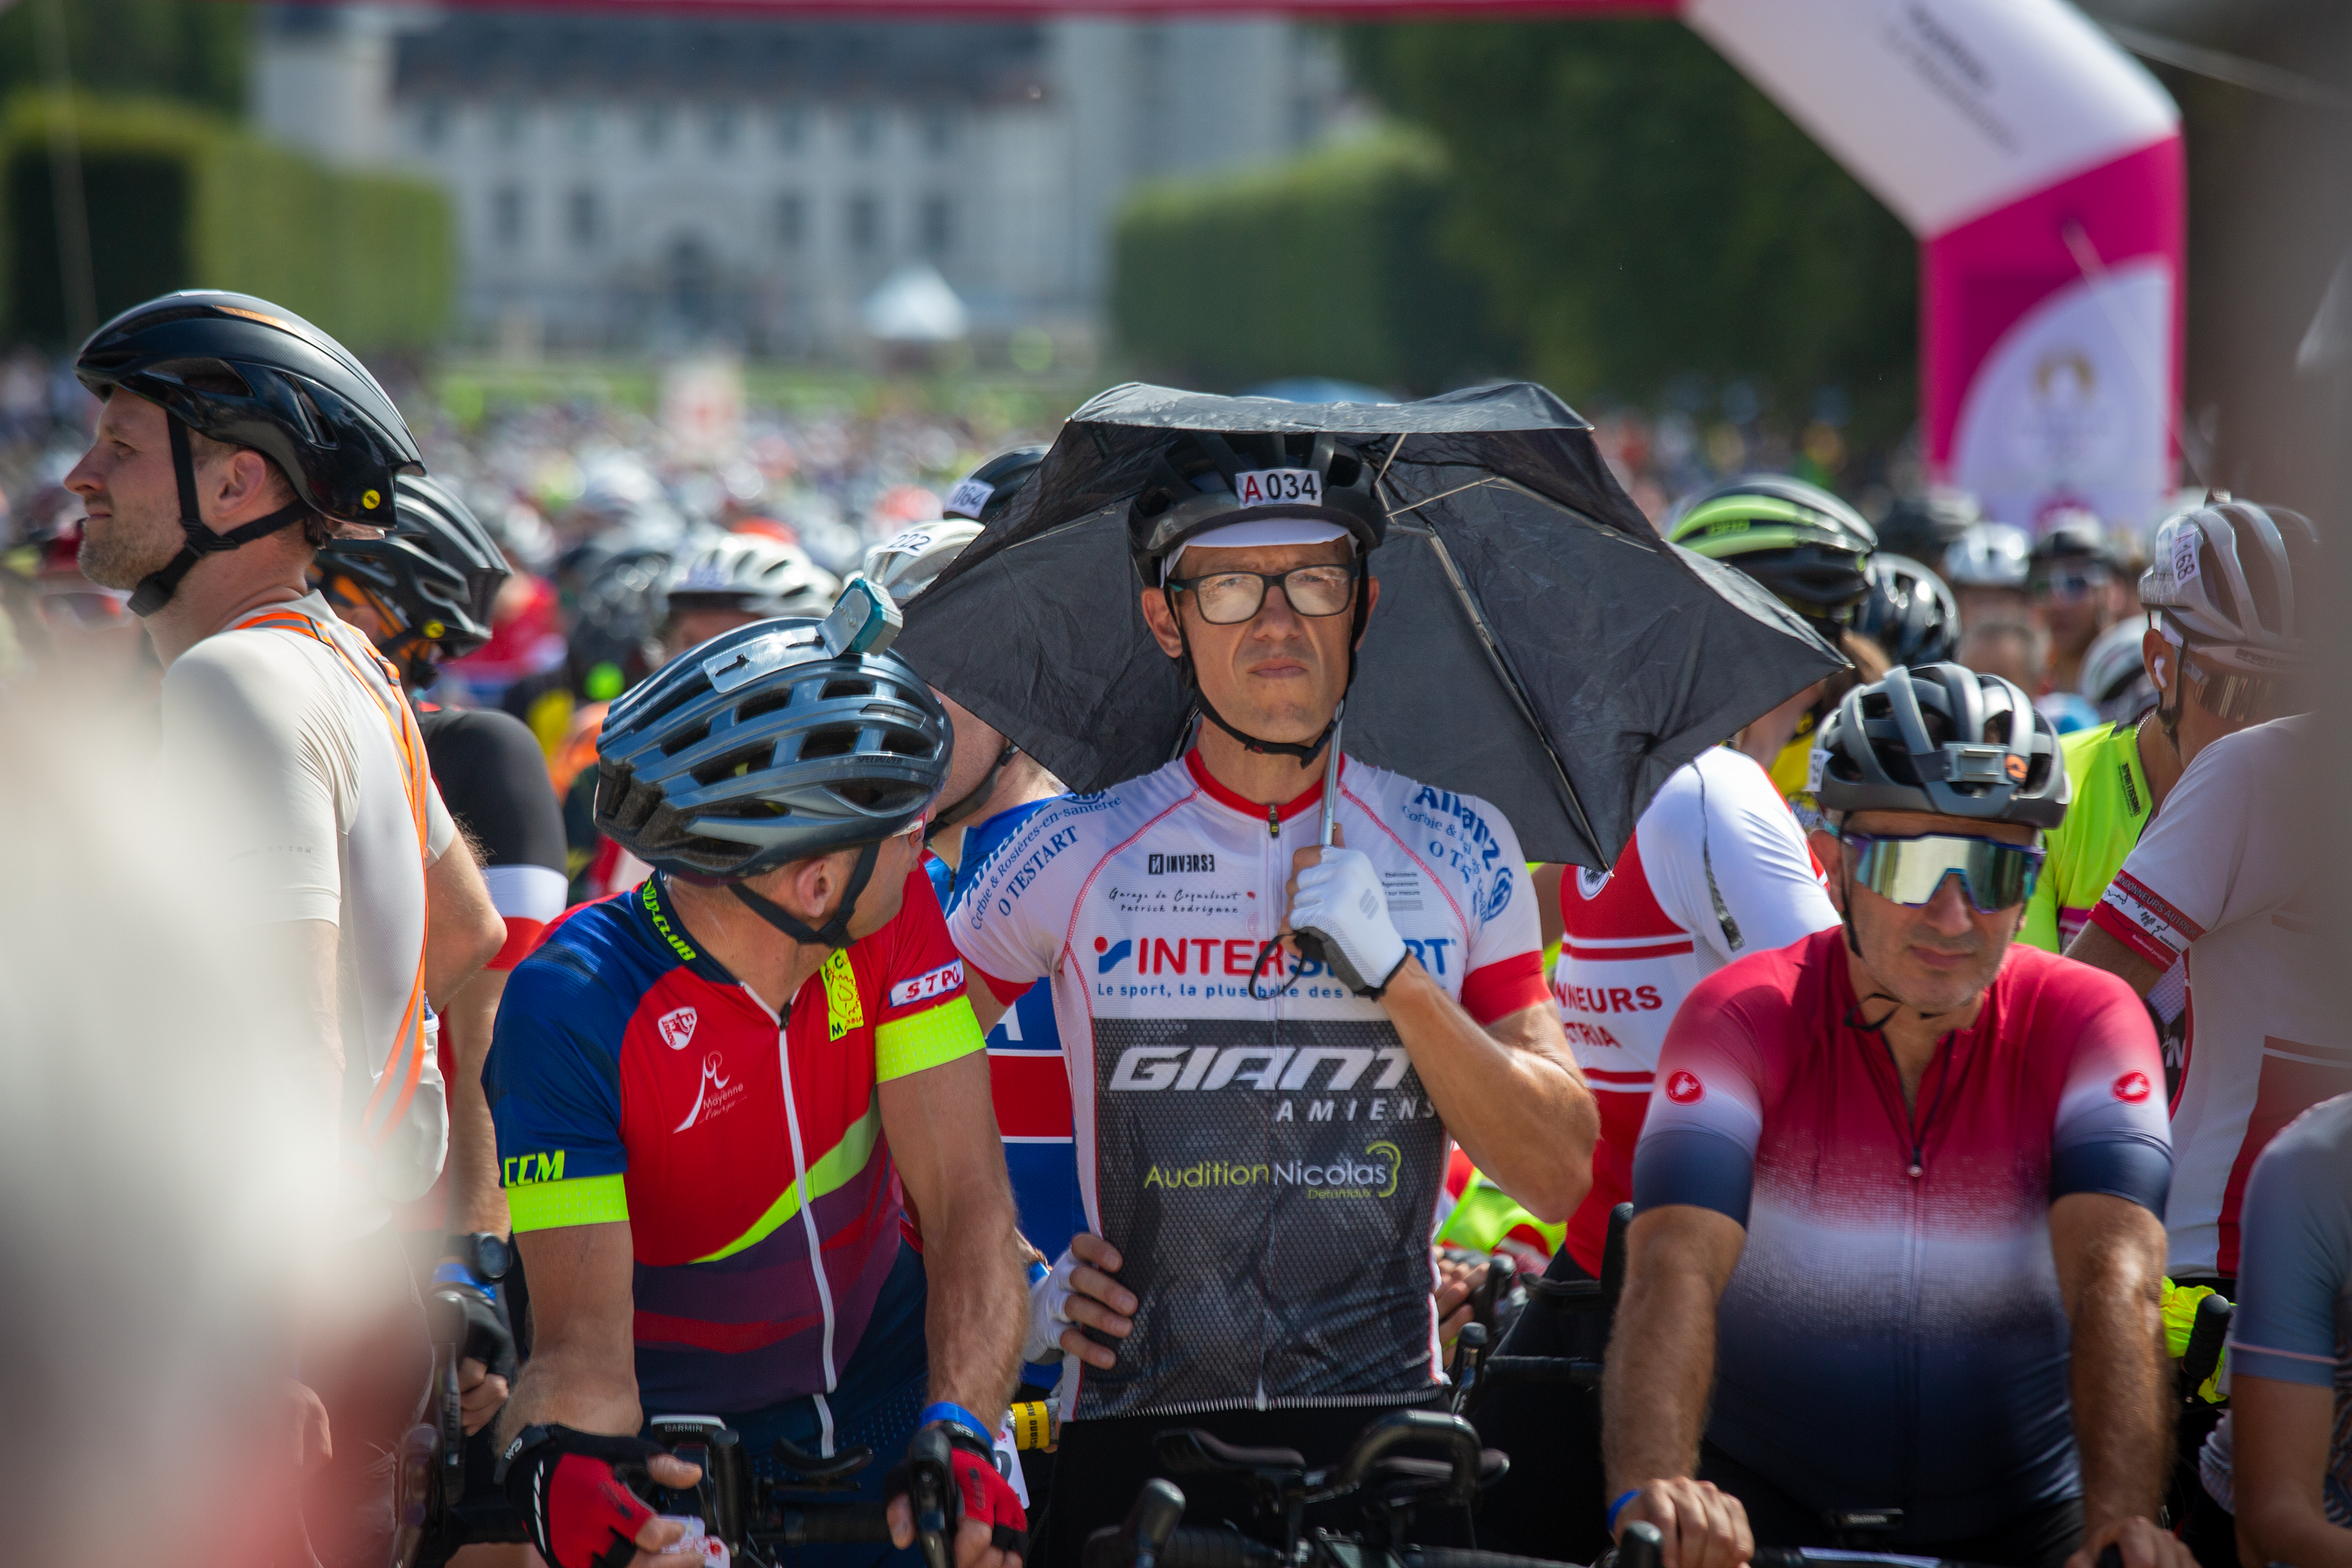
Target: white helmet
x: 2114, y: 675
x: 2223, y: 578
x: 906, y: 562
x: 1988, y: 555
x: 754, y: 574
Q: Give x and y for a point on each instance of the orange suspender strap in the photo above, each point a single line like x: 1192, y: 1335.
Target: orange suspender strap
x: 400, y: 1079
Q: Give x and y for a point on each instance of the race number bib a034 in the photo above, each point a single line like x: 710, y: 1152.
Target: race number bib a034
x: 1272, y: 487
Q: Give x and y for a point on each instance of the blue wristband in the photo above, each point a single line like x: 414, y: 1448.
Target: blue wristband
x: 955, y: 1415
x: 1619, y: 1506
x: 449, y: 1271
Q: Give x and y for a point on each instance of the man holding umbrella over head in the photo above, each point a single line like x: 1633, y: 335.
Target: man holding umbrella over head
x: 1271, y: 1041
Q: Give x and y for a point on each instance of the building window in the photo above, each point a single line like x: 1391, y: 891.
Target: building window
x: 792, y: 220
x: 433, y: 123
x: 720, y: 130
x: 865, y: 128
x: 510, y: 125
x: 792, y: 128
x: 581, y: 218
x: 865, y: 224
x: 938, y: 133
x: 653, y: 129
x: 937, y: 224
x: 506, y: 216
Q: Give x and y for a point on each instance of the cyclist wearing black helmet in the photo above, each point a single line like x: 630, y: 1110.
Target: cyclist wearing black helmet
x: 1262, y: 1137
x: 711, y: 1091
x: 1893, y: 1275
x: 236, y: 438
x: 1910, y: 615
x: 1812, y: 552
x: 985, y: 493
x: 422, y: 594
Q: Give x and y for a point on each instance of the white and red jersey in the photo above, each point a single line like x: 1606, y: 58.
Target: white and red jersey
x: 2223, y: 874
x: 1251, y: 1134
x: 1638, y: 938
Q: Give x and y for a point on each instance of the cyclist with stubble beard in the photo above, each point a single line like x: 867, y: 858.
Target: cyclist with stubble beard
x: 1262, y: 1138
x: 1893, y: 1275
x: 235, y: 439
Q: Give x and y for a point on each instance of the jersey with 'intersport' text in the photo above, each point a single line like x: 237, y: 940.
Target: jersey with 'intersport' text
x: 1893, y: 1335
x: 632, y: 1078
x: 1261, y: 1151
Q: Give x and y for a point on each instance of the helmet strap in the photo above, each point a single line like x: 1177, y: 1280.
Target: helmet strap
x: 155, y: 590
x: 1307, y: 753
x: 835, y: 932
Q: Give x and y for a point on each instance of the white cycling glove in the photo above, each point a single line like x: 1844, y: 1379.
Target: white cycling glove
x: 1049, y: 1310
x: 1340, y: 900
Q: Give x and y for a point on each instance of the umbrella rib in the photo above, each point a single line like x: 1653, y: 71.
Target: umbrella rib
x: 1425, y: 501
x: 1496, y: 657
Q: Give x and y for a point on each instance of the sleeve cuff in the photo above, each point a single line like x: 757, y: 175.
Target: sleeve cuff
x: 522, y: 935
x: 2142, y: 941
x: 931, y: 1039
x: 1501, y: 989
x: 582, y: 1200
x: 1005, y: 991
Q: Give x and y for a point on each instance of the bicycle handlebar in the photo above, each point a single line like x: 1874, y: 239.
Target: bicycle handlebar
x: 1641, y: 1546
x: 1401, y: 1428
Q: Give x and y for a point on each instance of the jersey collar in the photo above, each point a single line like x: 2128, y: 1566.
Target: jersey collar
x: 1305, y: 800
x: 655, y: 918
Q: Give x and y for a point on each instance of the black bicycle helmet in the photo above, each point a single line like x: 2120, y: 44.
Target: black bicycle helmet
x: 1946, y: 740
x: 763, y: 747
x: 435, y: 575
x: 615, y: 641
x: 1798, y: 539
x: 1909, y: 613
x: 306, y: 403
x: 985, y: 492
x: 1203, y: 480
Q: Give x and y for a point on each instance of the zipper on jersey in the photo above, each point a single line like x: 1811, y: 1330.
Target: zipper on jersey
x: 1273, y: 821
x: 808, y: 1218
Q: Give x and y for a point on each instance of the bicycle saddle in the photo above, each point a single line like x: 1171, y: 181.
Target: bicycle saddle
x: 1189, y: 1451
x: 816, y: 1469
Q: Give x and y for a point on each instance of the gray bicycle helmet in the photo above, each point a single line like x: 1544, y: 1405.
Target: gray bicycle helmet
x: 762, y: 747
x: 1204, y: 480
x: 753, y: 573
x: 1942, y: 738
x: 2114, y: 672
x: 906, y: 562
x: 2223, y: 578
x: 1990, y: 555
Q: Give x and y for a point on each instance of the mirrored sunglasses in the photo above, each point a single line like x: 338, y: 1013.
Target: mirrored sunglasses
x: 1994, y: 875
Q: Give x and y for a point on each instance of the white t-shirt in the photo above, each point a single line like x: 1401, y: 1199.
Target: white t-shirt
x: 2222, y: 874
x: 297, y: 770
x: 1638, y: 937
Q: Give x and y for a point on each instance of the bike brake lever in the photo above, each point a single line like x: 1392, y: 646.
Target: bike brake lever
x: 931, y: 1493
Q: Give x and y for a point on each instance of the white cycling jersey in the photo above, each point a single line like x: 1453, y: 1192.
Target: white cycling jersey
x: 2223, y: 874
x: 1264, y: 1153
x: 278, y: 734
x: 1716, y: 869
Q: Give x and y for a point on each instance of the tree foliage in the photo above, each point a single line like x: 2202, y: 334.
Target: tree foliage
x: 191, y: 50
x: 1638, y: 213
x: 1327, y: 265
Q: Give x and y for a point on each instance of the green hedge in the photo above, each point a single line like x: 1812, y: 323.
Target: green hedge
x: 179, y: 199
x: 1325, y: 265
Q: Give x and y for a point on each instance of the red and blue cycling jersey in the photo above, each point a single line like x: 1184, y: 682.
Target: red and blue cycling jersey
x: 632, y: 1078
x: 1893, y: 1335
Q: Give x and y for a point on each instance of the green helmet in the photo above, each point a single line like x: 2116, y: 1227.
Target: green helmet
x: 1803, y: 544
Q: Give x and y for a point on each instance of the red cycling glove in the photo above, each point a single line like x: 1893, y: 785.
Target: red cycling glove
x: 567, y: 1487
x: 980, y: 1488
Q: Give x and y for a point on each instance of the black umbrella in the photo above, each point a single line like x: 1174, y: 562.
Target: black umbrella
x: 1536, y: 644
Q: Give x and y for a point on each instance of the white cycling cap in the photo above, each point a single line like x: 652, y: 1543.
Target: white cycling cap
x: 1264, y: 531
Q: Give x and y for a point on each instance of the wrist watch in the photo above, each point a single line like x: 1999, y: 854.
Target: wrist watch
x: 485, y: 1254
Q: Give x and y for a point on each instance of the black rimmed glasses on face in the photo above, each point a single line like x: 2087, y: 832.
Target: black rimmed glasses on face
x: 1229, y: 598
